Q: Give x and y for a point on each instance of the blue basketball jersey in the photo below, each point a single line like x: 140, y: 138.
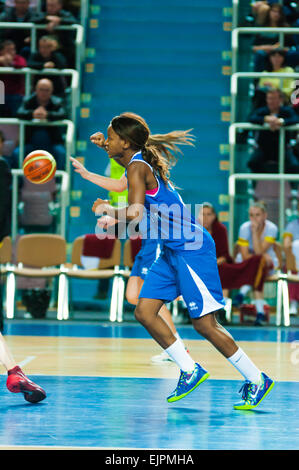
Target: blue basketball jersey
x: 167, y: 218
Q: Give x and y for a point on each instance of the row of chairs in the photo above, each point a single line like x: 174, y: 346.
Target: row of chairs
x: 45, y: 256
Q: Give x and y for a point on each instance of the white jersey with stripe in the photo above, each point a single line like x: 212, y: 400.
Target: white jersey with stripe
x: 269, y: 234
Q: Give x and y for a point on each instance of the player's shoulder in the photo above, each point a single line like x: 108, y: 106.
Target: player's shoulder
x: 271, y: 225
x: 137, y: 167
x: 245, y: 225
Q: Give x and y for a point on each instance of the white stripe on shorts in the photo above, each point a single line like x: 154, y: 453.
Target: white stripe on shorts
x: 209, y: 303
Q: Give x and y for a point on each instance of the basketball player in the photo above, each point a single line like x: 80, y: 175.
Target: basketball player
x: 149, y: 252
x: 187, y: 266
x: 17, y: 382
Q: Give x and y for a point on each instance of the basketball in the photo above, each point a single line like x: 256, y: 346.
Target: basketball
x: 39, y: 166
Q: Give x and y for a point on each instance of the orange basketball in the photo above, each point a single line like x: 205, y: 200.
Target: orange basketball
x: 39, y: 166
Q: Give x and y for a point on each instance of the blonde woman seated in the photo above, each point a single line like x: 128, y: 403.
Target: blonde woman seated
x: 251, y: 272
x: 257, y: 237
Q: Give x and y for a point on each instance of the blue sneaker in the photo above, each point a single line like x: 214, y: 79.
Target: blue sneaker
x: 253, y: 394
x: 188, y: 382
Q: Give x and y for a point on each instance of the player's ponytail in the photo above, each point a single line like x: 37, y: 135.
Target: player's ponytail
x: 159, y: 150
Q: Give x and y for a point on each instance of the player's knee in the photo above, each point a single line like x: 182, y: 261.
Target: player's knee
x: 140, y: 314
x: 131, y: 298
x: 205, y: 326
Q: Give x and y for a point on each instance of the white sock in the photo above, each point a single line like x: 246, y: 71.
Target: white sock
x: 179, y: 338
x: 245, y: 366
x: 180, y: 356
x: 259, y: 303
x: 245, y: 289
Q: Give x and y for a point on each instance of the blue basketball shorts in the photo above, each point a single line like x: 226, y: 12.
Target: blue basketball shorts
x: 191, y: 274
x: 148, y: 253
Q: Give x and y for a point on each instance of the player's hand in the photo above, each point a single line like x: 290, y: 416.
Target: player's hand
x: 79, y: 168
x: 100, y: 206
x: 106, y: 221
x: 98, y: 139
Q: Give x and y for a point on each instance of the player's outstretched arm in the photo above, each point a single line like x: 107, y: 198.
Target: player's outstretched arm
x: 110, y: 184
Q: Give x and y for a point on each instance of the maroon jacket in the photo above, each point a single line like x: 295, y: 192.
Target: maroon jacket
x: 15, y: 84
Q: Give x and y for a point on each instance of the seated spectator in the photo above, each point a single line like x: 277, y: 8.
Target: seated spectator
x: 291, y: 249
x: 20, y: 13
x: 49, y: 57
x: 41, y: 106
x: 257, y: 237
x: 55, y: 16
x: 277, y: 63
x: 266, y: 42
x: 73, y: 6
x: 251, y: 271
x: 260, y: 11
x: 14, y: 85
x: 265, y: 155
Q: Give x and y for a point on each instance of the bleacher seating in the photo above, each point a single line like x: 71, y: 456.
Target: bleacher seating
x: 278, y: 194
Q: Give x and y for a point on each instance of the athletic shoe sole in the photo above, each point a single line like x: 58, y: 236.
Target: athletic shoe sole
x: 204, y: 377
x: 251, y: 407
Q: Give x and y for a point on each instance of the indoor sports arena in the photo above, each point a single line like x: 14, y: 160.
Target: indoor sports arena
x: 149, y: 227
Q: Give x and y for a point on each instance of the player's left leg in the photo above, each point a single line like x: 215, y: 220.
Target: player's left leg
x: 257, y: 383
x: 17, y: 382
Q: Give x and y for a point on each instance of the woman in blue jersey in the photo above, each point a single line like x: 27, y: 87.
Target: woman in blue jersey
x: 187, y: 265
x: 149, y: 252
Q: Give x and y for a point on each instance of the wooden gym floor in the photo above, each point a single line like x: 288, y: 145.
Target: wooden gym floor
x: 103, y: 392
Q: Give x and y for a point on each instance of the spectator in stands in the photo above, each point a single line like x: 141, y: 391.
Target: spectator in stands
x: 291, y: 249
x: 73, y: 6
x: 257, y: 237
x: 5, y: 197
x: 49, y: 57
x: 14, y: 85
x: 251, y: 271
x: 55, y: 16
x: 260, y: 11
x: 275, y: 114
x: 267, y: 42
x: 20, y: 13
x: 276, y: 63
x: 42, y: 105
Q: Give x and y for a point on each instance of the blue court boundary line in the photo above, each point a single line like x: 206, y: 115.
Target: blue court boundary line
x: 122, y: 330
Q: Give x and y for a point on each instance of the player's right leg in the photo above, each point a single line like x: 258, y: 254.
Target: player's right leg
x: 17, y: 382
x: 133, y: 289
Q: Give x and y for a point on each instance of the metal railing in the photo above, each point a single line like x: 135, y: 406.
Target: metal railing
x: 235, y: 80
x: 263, y: 176
x: 256, y: 30
x: 64, y: 201
x: 78, y: 28
x: 254, y: 177
x: 69, y: 137
x: 255, y: 127
x: 28, y: 72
